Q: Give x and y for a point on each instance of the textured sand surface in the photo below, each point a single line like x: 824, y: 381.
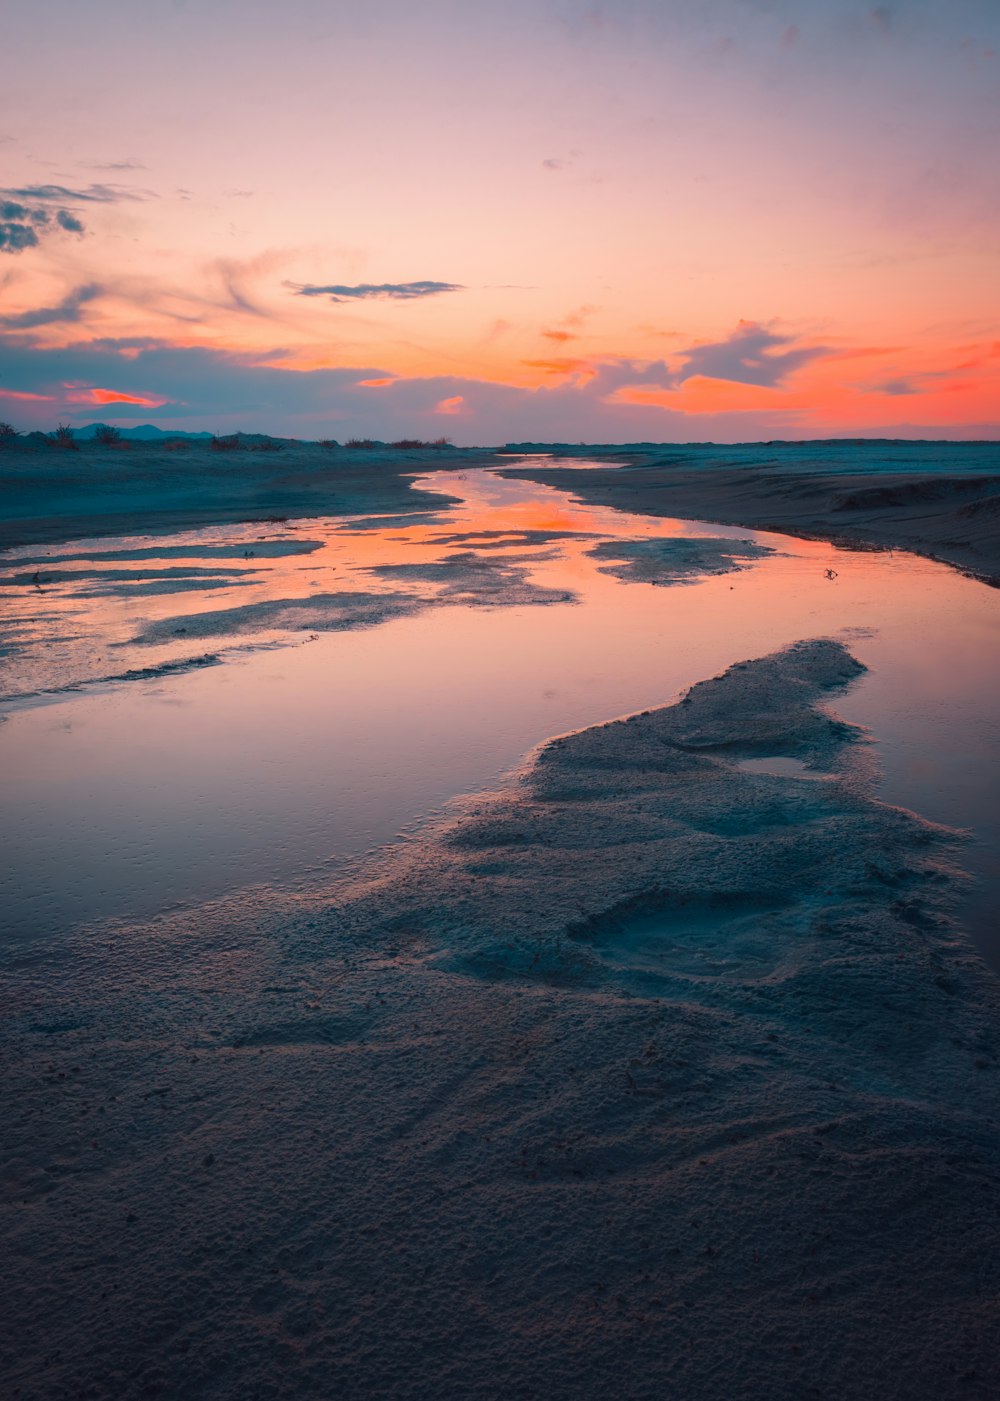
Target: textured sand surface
x: 676, y: 560
x: 645, y: 1076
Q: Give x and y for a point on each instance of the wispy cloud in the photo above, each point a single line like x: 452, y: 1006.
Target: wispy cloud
x: 93, y: 194
x: 374, y: 291
x: 24, y: 225
x: 113, y: 165
x: 70, y: 309
x: 895, y: 387
x: 92, y: 394
x: 751, y: 355
x: 30, y: 213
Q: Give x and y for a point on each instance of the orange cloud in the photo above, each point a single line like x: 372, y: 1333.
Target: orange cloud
x: 374, y: 383
x: 702, y: 395
x: 21, y: 394
x: 450, y: 406
x: 560, y: 366
x: 92, y: 395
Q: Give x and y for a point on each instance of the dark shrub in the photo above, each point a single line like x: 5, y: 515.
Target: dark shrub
x: 107, y: 435
x: 363, y: 443
x: 228, y: 443
x: 328, y: 443
x: 8, y: 433
x: 63, y: 436
x: 419, y: 443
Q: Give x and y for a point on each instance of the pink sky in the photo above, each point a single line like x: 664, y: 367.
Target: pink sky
x: 741, y: 219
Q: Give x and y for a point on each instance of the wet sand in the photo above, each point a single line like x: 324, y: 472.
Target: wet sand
x: 665, y: 1069
x: 51, y: 494
x: 937, y: 499
x: 647, y: 1074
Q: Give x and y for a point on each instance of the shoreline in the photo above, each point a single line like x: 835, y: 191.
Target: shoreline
x: 939, y: 500
x: 905, y: 500
x: 143, y: 489
x: 595, y: 1063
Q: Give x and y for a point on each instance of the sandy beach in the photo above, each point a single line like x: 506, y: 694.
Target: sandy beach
x: 593, y: 1086
x: 499, y: 659
x: 665, y: 1065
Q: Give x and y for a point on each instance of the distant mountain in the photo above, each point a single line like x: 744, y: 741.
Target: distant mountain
x: 142, y: 431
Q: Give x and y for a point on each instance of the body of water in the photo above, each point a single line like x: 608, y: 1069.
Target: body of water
x: 292, y: 748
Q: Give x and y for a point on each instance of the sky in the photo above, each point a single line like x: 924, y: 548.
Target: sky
x: 641, y: 220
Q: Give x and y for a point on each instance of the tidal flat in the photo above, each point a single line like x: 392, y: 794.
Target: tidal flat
x: 518, y: 946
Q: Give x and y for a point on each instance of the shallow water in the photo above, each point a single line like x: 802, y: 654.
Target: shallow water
x: 293, y: 749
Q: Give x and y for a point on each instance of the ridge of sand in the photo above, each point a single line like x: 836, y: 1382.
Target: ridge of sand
x: 644, y: 1076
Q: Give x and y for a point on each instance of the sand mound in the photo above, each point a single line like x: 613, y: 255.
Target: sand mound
x: 676, y: 560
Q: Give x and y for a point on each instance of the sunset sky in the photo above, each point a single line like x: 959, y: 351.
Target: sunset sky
x: 546, y: 219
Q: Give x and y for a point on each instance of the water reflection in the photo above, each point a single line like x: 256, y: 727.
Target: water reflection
x: 121, y: 799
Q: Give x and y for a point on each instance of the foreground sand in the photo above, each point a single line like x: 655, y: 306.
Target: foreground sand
x: 645, y: 1076
x: 937, y: 499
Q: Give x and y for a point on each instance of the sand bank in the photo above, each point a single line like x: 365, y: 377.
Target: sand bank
x: 52, y: 494
x: 645, y: 1075
x: 937, y: 499
x: 681, y: 559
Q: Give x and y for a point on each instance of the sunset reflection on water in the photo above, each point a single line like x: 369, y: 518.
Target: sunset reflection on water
x: 302, y: 748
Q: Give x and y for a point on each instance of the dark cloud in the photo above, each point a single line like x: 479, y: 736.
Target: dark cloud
x: 23, y: 212
x: 16, y: 237
x: 751, y: 355
x: 93, y: 194
x: 68, y: 310
x: 370, y: 291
